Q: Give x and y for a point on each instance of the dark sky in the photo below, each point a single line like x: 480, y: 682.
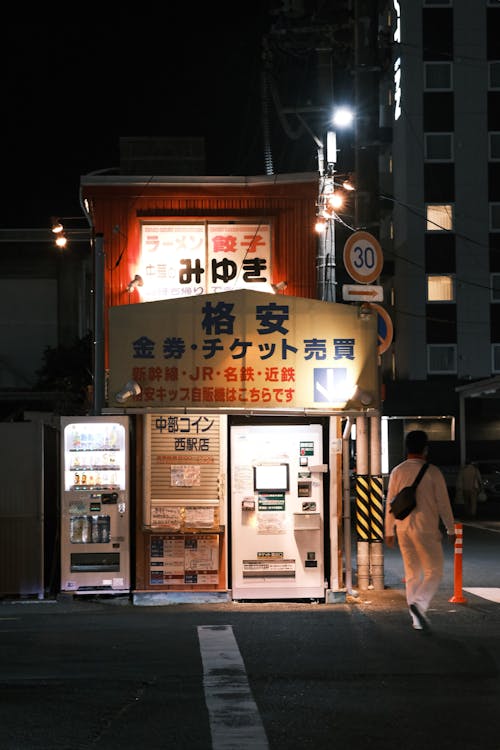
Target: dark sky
x: 70, y: 94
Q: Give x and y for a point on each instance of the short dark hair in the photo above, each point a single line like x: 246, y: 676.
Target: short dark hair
x: 416, y: 441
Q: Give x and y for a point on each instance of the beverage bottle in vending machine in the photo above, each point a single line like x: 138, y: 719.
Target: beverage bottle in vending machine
x: 75, y: 440
x: 95, y: 530
x: 104, y: 529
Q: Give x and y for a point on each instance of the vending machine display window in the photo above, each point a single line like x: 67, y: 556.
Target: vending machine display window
x: 89, y: 529
x: 94, y: 457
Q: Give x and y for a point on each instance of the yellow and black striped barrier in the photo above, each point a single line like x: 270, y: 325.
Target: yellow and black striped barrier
x: 363, y: 507
x: 369, y: 508
x: 376, y: 508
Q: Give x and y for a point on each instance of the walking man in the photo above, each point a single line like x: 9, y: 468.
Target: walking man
x: 418, y: 535
x: 468, y: 488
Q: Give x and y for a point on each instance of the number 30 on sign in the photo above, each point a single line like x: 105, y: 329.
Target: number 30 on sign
x: 363, y: 257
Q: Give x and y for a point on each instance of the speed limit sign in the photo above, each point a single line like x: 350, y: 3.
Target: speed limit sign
x: 363, y: 257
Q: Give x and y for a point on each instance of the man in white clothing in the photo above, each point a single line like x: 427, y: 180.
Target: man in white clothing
x: 418, y: 535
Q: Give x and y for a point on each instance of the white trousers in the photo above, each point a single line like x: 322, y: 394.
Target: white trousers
x: 423, y: 560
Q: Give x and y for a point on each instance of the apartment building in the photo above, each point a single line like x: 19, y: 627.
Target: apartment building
x: 440, y: 214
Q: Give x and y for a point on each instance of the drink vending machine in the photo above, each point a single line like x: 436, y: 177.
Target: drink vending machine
x: 95, y: 501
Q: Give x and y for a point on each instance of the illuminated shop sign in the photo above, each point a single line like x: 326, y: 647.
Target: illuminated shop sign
x: 243, y: 349
x: 181, y: 260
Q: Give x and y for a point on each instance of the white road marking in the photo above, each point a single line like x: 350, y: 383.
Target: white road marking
x: 234, y: 717
x: 493, y: 595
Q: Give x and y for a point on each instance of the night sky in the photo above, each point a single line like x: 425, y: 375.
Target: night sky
x: 70, y: 94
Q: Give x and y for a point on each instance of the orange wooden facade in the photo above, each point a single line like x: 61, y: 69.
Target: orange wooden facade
x: 118, y: 206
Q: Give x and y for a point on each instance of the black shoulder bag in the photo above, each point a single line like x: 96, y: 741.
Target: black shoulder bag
x: 405, y: 501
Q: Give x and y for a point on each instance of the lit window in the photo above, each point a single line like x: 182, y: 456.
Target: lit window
x: 440, y: 289
x: 438, y: 146
x: 439, y: 218
x: 441, y: 359
x: 437, y: 76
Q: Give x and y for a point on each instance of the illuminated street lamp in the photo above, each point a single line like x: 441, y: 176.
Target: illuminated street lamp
x: 329, y: 201
x: 343, y: 117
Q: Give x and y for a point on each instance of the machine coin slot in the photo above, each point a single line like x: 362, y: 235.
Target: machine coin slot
x: 109, y: 498
x: 304, y: 489
x: 95, y: 507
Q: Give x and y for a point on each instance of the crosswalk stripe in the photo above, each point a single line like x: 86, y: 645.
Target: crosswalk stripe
x: 234, y: 717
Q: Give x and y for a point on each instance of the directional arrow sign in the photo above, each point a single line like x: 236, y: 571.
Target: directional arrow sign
x: 329, y: 383
x: 362, y: 293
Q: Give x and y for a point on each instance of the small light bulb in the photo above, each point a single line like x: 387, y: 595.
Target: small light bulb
x: 335, y: 200
x: 57, y: 226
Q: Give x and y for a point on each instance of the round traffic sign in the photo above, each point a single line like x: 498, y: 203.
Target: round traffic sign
x: 385, y: 329
x: 363, y: 258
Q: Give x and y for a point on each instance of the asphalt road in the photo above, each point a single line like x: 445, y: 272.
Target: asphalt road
x: 86, y: 674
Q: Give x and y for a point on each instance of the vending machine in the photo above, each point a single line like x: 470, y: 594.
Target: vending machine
x: 95, y: 502
x: 277, y: 512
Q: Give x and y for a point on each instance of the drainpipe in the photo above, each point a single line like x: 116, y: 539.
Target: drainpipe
x: 98, y: 401
x: 346, y: 483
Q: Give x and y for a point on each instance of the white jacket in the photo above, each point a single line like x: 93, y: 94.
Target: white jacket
x: 433, y: 501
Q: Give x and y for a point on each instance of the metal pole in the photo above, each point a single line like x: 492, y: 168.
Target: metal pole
x: 326, y: 263
x: 376, y: 506
x: 362, y: 503
x: 347, y: 505
x: 98, y: 374
x: 332, y: 594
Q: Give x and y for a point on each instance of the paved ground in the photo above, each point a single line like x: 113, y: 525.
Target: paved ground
x: 90, y: 674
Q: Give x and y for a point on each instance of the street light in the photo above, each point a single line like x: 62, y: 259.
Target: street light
x: 343, y: 117
x: 330, y: 199
x: 68, y: 228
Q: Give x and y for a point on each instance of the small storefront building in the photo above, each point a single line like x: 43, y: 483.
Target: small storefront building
x: 237, y: 381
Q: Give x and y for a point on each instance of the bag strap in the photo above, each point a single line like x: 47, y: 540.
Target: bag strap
x: 419, y: 476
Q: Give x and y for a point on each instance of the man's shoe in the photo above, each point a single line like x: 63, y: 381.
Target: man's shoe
x: 420, y: 622
x: 414, y: 622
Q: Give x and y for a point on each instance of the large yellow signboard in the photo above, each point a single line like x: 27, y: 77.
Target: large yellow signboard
x: 244, y: 350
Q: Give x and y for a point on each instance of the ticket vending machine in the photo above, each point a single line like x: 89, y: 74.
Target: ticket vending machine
x: 95, y: 527
x: 277, y: 512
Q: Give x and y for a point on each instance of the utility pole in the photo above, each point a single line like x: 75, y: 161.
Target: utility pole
x: 370, y: 498
x: 327, y: 157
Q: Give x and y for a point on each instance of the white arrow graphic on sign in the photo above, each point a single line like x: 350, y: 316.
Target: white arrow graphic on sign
x: 327, y: 392
x: 330, y: 383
